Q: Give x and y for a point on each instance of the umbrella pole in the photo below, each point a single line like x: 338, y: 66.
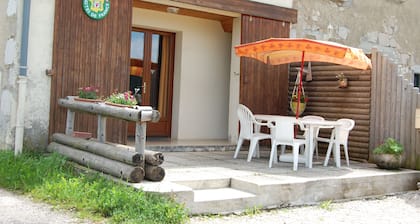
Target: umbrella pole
x: 300, y: 84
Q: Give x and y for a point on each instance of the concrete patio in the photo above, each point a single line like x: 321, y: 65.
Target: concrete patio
x: 208, y: 180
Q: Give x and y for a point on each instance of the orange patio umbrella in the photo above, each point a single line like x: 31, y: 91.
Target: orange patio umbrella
x: 275, y: 51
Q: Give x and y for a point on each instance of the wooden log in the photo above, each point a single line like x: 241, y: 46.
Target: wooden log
x: 98, y: 148
x: 344, y: 100
x: 340, y: 104
x: 332, y: 73
x: 115, y: 168
x: 150, y: 157
x: 340, y: 110
x: 137, y: 113
x: 153, y: 173
x: 334, y: 88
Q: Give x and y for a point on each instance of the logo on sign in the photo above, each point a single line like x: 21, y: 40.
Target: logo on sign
x: 96, y: 9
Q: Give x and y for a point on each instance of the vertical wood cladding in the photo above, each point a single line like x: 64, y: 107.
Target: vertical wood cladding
x: 263, y: 88
x: 89, y: 52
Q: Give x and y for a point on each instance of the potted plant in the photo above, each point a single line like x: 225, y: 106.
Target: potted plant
x: 389, y: 154
x: 342, y: 80
x: 88, y: 94
x: 302, y: 103
x: 125, y: 99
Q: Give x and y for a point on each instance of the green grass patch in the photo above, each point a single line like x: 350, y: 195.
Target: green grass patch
x: 326, y: 205
x: 51, y: 179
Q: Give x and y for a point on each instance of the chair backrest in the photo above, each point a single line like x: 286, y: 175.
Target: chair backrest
x: 313, y: 118
x: 282, y: 129
x: 246, y: 120
x: 344, y: 129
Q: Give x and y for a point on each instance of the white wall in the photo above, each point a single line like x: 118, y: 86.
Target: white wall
x: 201, y: 79
x: 41, y: 34
x: 37, y: 100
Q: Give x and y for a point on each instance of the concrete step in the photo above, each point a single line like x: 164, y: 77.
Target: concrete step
x: 219, y: 194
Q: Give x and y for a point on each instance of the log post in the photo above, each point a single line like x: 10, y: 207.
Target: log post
x: 101, y: 132
x: 140, y: 138
x: 70, y: 122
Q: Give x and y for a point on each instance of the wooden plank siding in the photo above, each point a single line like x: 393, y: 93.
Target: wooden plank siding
x: 247, y: 7
x: 394, y: 102
x: 261, y: 85
x: 326, y: 99
x: 89, y: 52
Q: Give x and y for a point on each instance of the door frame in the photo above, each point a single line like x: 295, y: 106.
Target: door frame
x: 163, y: 127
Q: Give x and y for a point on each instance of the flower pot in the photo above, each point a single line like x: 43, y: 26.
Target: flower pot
x: 293, y: 107
x: 343, y: 83
x: 119, y: 105
x: 87, y: 100
x: 81, y: 134
x: 387, y: 161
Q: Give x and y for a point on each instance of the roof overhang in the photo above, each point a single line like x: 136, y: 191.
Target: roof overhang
x: 219, y: 10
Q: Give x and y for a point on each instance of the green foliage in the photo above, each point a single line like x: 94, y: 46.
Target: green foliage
x: 125, y: 98
x: 48, y: 178
x: 88, y: 92
x: 28, y: 171
x: 327, y: 205
x: 390, y: 146
x: 253, y: 211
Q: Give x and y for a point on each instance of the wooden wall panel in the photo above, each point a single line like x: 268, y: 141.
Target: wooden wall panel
x: 263, y: 88
x: 326, y: 99
x: 90, y: 52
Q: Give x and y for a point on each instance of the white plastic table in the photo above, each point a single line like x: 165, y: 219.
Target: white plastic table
x: 311, y: 125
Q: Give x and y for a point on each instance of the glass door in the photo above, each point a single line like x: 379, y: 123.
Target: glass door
x: 151, y: 76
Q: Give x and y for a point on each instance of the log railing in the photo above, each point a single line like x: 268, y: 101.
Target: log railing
x: 138, y: 114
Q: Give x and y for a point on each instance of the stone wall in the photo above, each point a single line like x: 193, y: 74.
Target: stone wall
x: 388, y: 25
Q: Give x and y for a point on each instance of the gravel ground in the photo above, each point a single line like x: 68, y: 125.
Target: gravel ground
x: 20, y: 209
x: 397, y: 208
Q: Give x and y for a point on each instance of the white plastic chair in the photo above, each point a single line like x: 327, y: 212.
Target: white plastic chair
x: 313, y: 118
x: 341, y: 138
x: 249, y: 131
x: 282, y: 133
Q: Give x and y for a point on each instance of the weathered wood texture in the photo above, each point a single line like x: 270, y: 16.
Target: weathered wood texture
x: 97, y: 162
x: 98, y: 148
x: 247, y: 7
x: 153, y: 173
x: 394, y: 102
x: 89, y: 52
x: 150, y: 157
x: 261, y: 85
x: 326, y: 99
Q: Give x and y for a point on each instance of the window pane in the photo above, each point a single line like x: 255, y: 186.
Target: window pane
x: 137, y: 45
x: 155, y: 48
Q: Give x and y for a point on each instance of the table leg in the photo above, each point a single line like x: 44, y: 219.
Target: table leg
x: 337, y: 152
x: 311, y: 146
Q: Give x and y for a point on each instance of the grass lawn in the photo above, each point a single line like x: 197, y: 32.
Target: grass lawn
x: 51, y: 179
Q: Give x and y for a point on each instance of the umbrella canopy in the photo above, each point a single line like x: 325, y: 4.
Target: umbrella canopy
x: 275, y: 51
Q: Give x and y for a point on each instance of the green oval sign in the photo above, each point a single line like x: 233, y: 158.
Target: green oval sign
x: 96, y: 9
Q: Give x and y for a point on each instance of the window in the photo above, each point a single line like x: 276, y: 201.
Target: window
x: 416, y: 79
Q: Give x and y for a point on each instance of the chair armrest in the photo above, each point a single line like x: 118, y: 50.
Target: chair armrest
x: 301, y: 125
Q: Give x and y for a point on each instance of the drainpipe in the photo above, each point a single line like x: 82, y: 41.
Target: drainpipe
x: 23, y: 70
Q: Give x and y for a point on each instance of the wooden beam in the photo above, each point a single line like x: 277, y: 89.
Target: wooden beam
x: 225, y: 21
x: 248, y: 8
